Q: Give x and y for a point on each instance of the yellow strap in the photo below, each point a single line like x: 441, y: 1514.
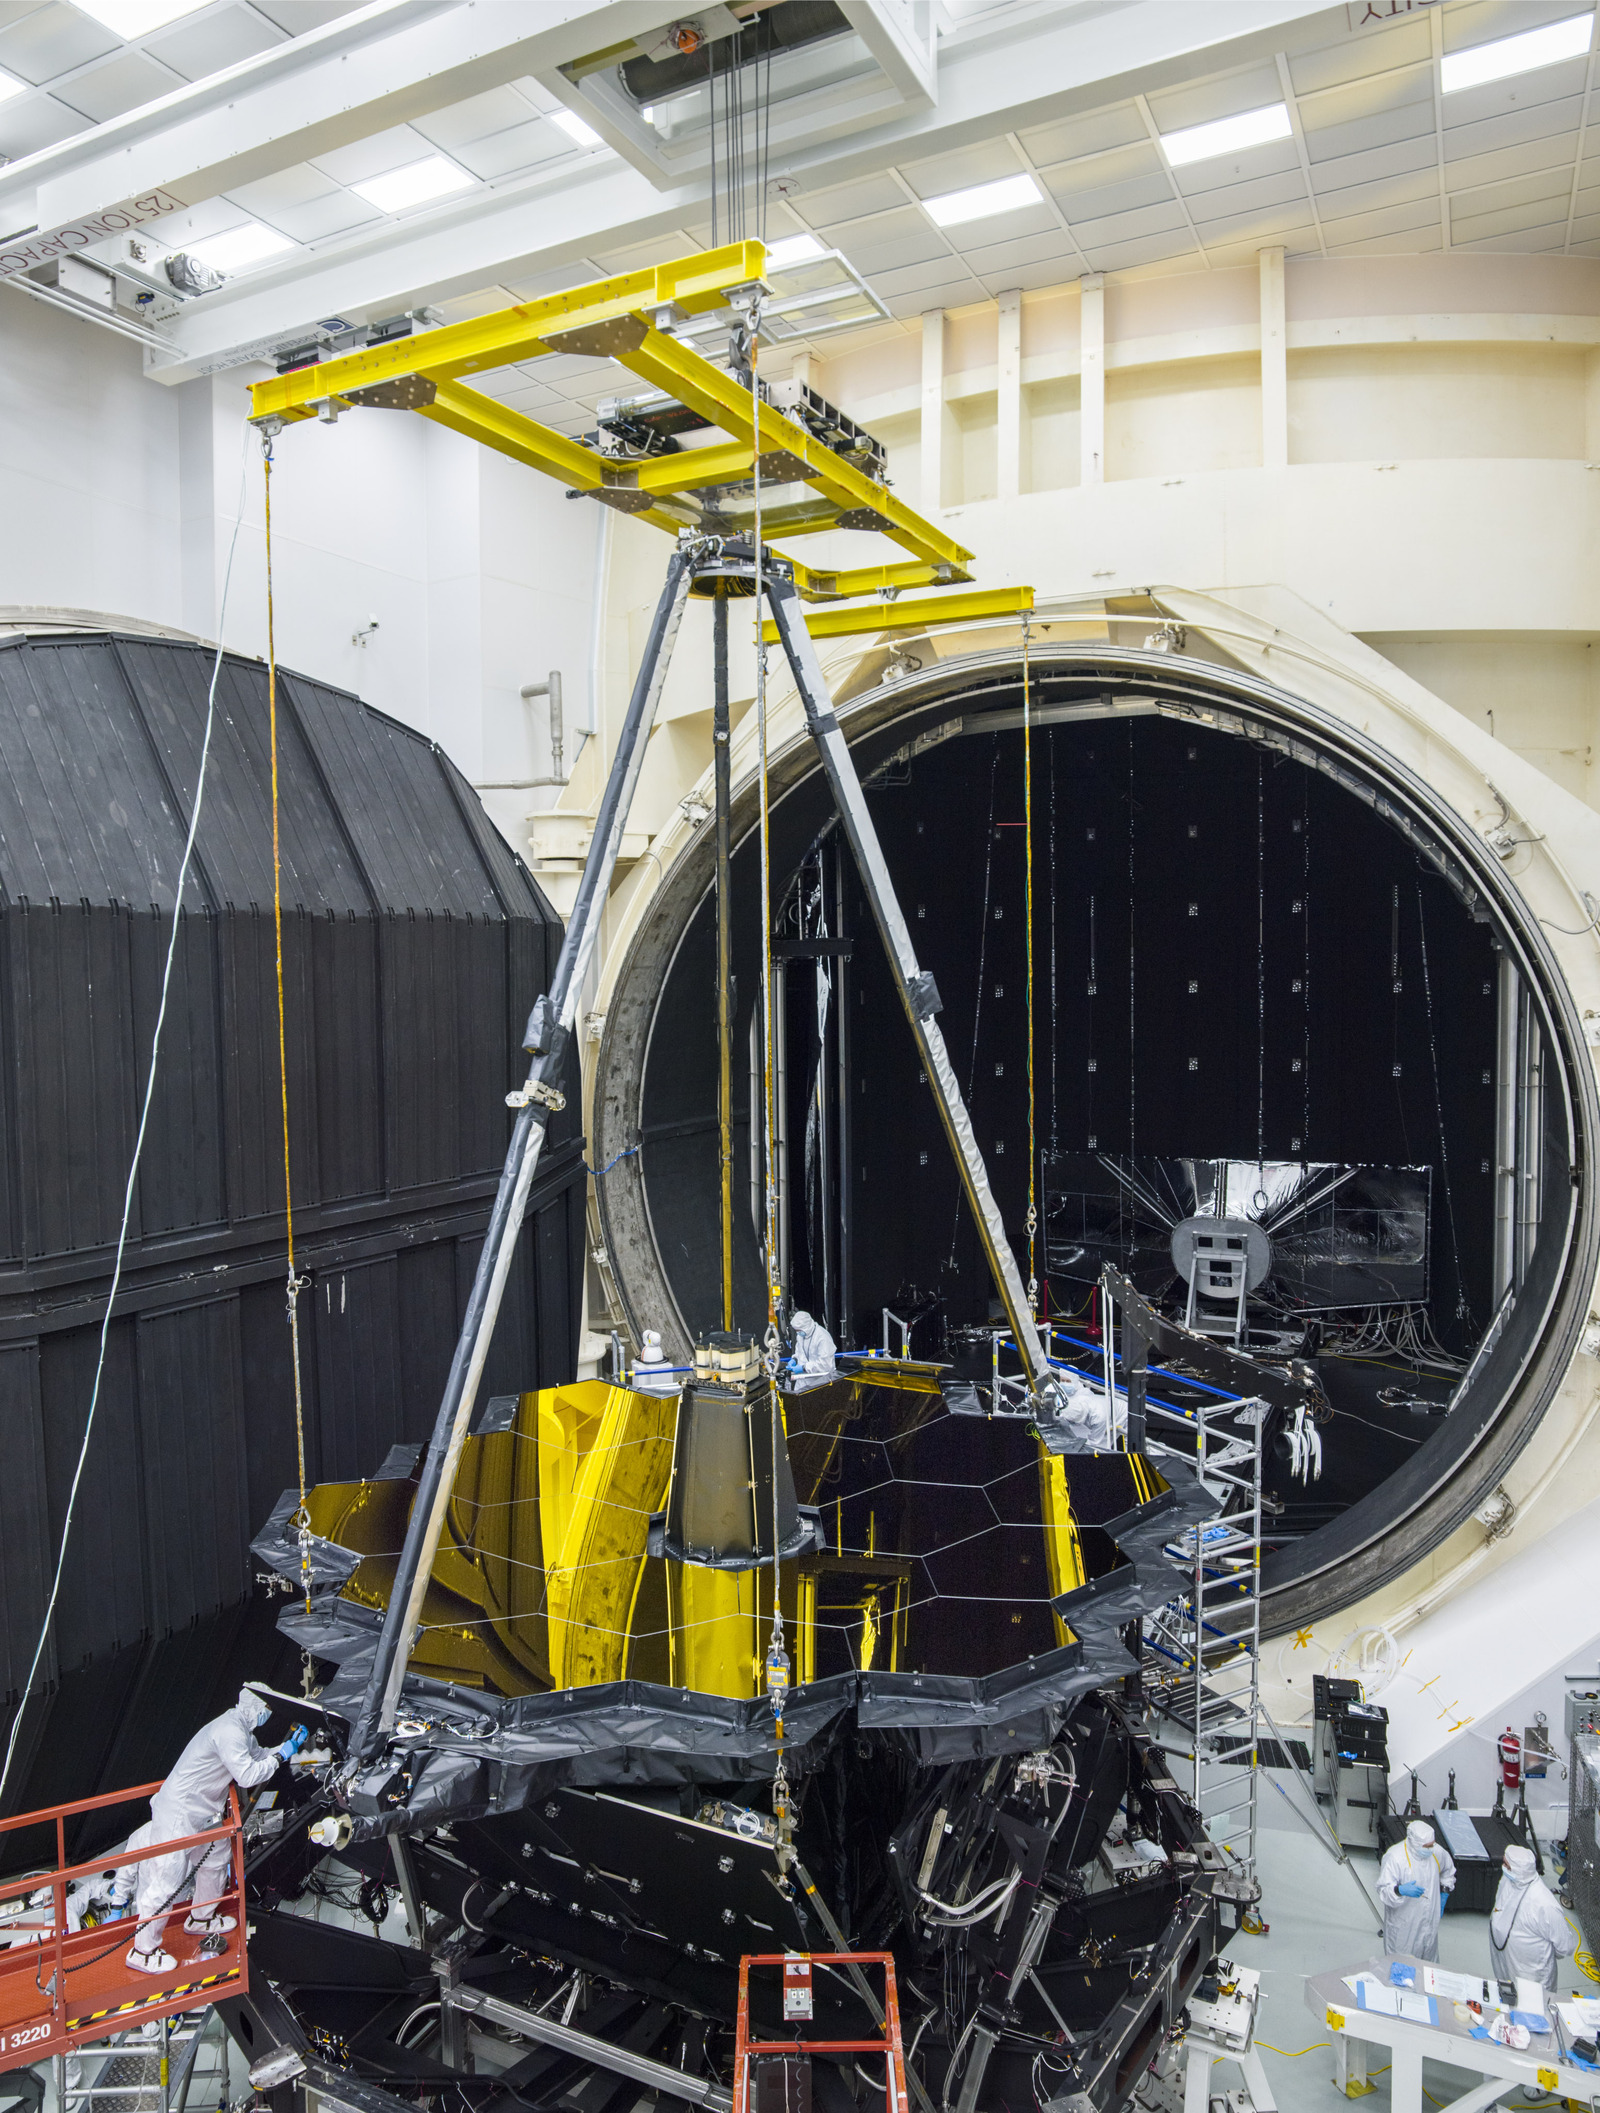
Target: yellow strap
x: 1027, y: 837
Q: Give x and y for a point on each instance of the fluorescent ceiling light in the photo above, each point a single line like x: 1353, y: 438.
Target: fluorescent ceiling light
x: 794, y: 249
x: 982, y: 201
x: 9, y: 87
x: 135, y: 18
x: 575, y: 128
x: 415, y: 184
x: 1225, y: 135
x: 240, y: 247
x: 1519, y: 54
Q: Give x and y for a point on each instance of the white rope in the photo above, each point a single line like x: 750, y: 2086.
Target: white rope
x: 138, y: 1143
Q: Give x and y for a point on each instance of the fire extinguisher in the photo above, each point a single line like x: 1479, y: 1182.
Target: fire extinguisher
x: 1508, y: 1750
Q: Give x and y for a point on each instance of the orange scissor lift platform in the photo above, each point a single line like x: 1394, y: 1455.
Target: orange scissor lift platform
x: 887, y: 2043
x: 61, y: 1989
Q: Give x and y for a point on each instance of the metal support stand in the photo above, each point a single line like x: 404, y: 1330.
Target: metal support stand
x: 1201, y: 2057
x: 549, y: 1030
x: 1207, y: 1645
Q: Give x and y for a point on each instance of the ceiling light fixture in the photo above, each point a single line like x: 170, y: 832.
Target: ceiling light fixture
x: 1529, y: 48
x: 240, y: 247
x: 794, y: 249
x: 136, y: 18
x: 1226, y: 135
x: 982, y: 201
x: 415, y: 184
x: 10, y: 87
x: 575, y: 128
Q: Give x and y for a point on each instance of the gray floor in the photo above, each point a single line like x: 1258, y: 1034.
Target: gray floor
x: 1318, y: 1920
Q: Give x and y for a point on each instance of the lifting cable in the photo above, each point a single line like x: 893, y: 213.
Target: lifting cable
x: 294, y: 1284
x: 1027, y: 921
x: 131, y: 1186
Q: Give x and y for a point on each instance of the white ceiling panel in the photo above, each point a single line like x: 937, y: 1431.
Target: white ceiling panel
x: 318, y: 218
x: 216, y: 39
x: 1029, y: 278
x: 1148, y: 249
x: 884, y: 240
x: 1395, y: 219
x: 1257, y: 197
x: 1367, y: 97
x: 1001, y: 227
x: 1072, y: 137
x: 848, y: 201
x: 375, y: 156
x: 1223, y: 95
x: 26, y: 127
x: 1481, y: 21
x: 479, y: 117
x: 1263, y: 226
x: 116, y: 85
x: 1586, y: 229
x: 949, y: 293
x: 639, y: 256
x: 1522, y: 241
x: 1031, y: 249
x: 1361, y: 135
x: 1379, y: 51
x: 1467, y: 228
x: 1377, y: 197
x: 555, y: 279
x: 213, y: 217
x: 1099, y: 201
x: 1340, y: 171
x: 1512, y: 128
x: 50, y: 40
x: 518, y: 147
x: 297, y: 16
x: 301, y: 185
x: 1227, y: 172
x: 1556, y: 152
x: 1298, y: 241
x: 984, y: 163
x: 1522, y: 190
x: 917, y: 278
x: 1410, y: 244
x: 1122, y: 228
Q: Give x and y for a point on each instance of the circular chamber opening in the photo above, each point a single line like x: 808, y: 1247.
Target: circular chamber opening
x: 1282, y: 1000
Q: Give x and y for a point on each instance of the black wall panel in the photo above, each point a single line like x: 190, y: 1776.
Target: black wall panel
x: 414, y: 943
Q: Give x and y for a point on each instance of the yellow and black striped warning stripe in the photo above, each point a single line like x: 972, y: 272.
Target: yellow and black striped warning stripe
x: 150, y: 2001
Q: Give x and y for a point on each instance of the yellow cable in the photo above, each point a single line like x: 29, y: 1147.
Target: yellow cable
x: 1294, y: 2054
x: 302, y: 1517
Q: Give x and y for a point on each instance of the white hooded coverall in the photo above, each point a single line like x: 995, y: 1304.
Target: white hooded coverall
x: 1528, y: 1934
x: 192, y: 1799
x: 1411, y: 1925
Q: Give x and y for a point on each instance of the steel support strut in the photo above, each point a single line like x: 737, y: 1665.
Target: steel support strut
x: 918, y: 992
x: 549, y: 1030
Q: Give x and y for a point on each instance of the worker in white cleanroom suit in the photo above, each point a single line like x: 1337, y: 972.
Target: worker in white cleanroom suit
x: 1415, y: 1879
x: 191, y: 1800
x: 1528, y: 1934
x: 814, y: 1347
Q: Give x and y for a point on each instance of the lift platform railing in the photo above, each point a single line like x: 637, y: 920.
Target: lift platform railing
x: 62, y: 1988
x: 888, y: 2043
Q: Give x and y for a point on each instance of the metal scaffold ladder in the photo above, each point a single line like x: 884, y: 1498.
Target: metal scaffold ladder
x: 1203, y: 1648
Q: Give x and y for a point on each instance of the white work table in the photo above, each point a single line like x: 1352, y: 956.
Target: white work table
x: 1542, y: 2066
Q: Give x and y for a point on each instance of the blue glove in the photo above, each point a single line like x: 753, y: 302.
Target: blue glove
x: 1444, y: 1895
x: 296, y: 1739
x: 1411, y: 1890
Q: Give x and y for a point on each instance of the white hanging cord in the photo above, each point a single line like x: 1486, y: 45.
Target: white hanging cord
x: 138, y: 1143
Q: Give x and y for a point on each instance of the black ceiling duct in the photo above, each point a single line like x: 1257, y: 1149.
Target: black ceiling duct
x: 414, y: 944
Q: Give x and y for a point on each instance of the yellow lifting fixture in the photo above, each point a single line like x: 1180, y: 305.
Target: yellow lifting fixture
x: 631, y: 319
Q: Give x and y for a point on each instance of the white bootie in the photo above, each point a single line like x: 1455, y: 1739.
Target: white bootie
x: 210, y: 1925
x: 157, y: 1962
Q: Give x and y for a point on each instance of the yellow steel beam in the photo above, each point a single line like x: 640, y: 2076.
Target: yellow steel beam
x: 689, y: 471
x: 906, y: 616
x: 691, y: 378
x: 485, y: 342
x: 816, y: 585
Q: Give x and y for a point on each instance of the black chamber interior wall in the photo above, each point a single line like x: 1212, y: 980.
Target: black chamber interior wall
x: 1233, y: 956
